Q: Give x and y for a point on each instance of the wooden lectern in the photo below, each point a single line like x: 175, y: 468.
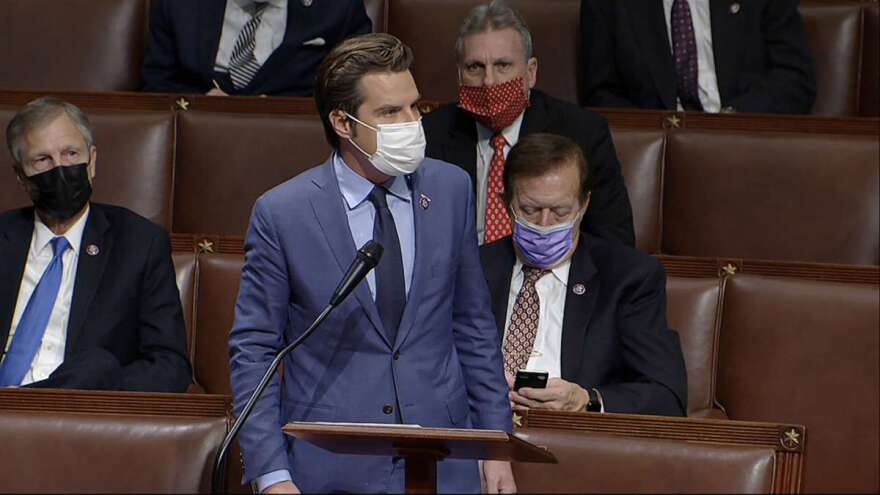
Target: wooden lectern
x: 420, y: 447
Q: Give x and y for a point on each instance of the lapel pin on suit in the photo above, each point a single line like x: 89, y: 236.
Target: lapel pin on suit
x: 579, y: 289
x: 307, y: 3
x: 424, y: 202
x: 734, y: 8
x: 92, y: 250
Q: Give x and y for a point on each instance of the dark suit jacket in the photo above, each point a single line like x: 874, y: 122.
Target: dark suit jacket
x: 614, y: 336
x: 125, y: 329
x: 761, y: 56
x: 185, y: 36
x: 452, y: 137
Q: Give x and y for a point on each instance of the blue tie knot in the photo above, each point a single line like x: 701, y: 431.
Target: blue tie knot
x: 59, y: 246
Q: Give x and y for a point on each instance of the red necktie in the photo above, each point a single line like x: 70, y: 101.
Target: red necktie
x: 523, y: 322
x: 497, y: 221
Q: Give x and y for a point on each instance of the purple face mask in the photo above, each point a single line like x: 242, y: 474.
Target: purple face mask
x: 543, y: 247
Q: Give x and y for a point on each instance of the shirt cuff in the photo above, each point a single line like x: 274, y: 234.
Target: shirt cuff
x: 269, y: 479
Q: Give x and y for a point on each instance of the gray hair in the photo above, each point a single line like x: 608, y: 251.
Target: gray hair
x: 494, y: 16
x: 40, y: 112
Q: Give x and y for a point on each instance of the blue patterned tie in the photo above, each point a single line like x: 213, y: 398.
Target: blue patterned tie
x: 684, y: 49
x: 32, y: 325
x: 243, y: 65
x: 390, y: 288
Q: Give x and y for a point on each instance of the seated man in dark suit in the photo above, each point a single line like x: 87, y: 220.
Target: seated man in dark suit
x: 498, y: 105
x: 589, y: 311
x: 700, y: 55
x: 88, y: 297
x: 245, y: 47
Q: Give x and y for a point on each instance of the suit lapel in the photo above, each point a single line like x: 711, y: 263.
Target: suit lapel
x: 461, y: 148
x: 89, y: 271
x: 535, y: 117
x: 499, y: 273
x: 297, y: 14
x: 578, y: 309
x: 211, y: 14
x: 725, y: 44
x: 14, y: 244
x: 649, y: 28
x: 327, y: 204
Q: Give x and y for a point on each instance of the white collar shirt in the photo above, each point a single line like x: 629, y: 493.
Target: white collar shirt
x: 484, y: 161
x: 51, y: 352
x: 269, y: 35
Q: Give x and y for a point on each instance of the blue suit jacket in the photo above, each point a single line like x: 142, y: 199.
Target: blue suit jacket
x: 444, y: 369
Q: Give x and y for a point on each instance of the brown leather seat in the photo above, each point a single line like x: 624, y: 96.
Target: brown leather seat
x: 134, y: 167
x: 226, y: 161
x: 185, y: 271
x: 869, y: 95
x: 75, y: 45
x: 693, y: 308
x: 156, y: 454
x: 834, y: 34
x: 601, y: 463
x: 778, y: 196
x: 430, y: 27
x: 808, y: 352
x: 641, y: 155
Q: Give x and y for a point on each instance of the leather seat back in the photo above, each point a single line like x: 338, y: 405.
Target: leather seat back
x: 642, y: 154
x: 75, y: 45
x: 807, y: 352
x: 185, y: 271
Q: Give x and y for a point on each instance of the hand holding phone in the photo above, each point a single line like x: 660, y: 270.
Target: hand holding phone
x: 530, y: 379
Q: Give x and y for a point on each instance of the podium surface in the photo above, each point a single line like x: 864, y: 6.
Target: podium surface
x: 420, y: 447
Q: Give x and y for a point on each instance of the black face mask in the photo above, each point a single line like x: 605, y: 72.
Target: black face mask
x: 62, y: 191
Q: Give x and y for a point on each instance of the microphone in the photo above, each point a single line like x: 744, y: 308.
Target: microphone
x: 367, y: 258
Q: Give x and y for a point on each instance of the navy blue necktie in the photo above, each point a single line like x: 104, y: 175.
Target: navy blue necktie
x: 390, y: 288
x: 684, y: 49
x: 32, y: 325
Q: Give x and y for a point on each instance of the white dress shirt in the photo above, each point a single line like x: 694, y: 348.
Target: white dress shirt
x: 51, y: 352
x: 269, y: 35
x: 706, y: 78
x: 551, y: 288
x: 484, y: 161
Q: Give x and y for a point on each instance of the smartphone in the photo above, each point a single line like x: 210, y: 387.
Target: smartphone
x: 530, y: 379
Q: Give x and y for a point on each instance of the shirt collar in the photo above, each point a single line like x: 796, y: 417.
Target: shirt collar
x: 560, y: 272
x: 511, y: 132
x: 355, y: 188
x: 43, y: 235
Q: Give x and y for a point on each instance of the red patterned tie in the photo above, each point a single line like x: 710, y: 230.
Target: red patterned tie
x: 497, y: 221
x: 523, y: 322
x: 684, y: 48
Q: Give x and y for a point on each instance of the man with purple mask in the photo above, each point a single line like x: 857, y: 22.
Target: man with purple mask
x: 498, y: 105
x: 589, y: 312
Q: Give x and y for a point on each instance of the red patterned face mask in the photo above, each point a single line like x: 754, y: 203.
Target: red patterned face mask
x: 496, y: 107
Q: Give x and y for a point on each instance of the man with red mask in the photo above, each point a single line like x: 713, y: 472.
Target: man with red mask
x: 498, y: 105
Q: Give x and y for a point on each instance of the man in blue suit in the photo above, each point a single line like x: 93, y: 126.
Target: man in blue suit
x: 416, y: 343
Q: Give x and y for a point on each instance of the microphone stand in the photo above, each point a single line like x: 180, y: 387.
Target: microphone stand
x: 219, y: 459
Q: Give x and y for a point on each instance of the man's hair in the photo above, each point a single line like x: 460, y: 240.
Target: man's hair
x: 493, y: 16
x: 39, y: 113
x: 339, y: 75
x: 539, y: 154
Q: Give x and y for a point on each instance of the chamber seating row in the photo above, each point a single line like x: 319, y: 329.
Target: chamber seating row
x: 165, y: 443
x: 843, y: 37
x: 708, y: 190
x: 795, y: 348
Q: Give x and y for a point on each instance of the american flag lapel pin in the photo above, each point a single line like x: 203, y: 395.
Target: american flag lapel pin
x: 424, y: 202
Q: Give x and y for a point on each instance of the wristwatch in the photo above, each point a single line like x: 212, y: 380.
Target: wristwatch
x: 594, y: 404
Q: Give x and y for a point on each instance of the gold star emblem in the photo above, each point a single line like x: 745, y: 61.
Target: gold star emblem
x: 206, y: 246
x: 182, y: 104
x: 517, y: 420
x: 791, y: 439
x: 674, y: 121
x: 728, y: 269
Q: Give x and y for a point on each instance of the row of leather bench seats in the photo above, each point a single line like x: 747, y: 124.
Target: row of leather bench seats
x: 799, y: 348
x: 165, y: 443
x: 102, y: 46
x: 734, y: 186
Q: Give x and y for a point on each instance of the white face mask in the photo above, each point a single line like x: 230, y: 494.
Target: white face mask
x: 400, y: 148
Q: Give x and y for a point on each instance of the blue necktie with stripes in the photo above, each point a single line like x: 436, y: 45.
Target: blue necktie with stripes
x: 32, y: 325
x: 243, y: 65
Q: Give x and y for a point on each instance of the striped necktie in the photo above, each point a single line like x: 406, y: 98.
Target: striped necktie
x: 243, y: 65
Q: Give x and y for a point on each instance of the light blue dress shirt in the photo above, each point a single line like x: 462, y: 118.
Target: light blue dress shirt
x: 361, y: 217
